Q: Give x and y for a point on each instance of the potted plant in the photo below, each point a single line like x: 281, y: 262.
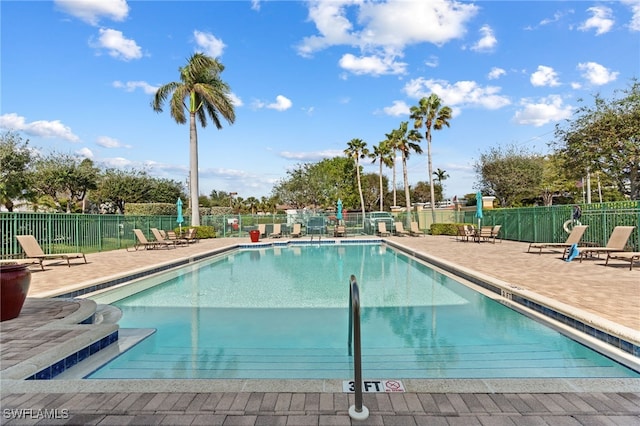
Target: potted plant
x: 15, y: 280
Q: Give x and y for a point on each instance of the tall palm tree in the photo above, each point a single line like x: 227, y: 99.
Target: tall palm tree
x: 440, y: 176
x: 357, y: 150
x: 406, y: 141
x: 394, y: 152
x: 201, y: 92
x: 432, y: 115
x: 382, y: 153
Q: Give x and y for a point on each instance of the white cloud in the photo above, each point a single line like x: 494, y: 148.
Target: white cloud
x: 547, y: 110
x: 117, y: 162
x: 496, y: 73
x: 545, y: 76
x: 90, y: 11
x: 397, y: 109
x: 117, y: 45
x: 41, y: 128
x: 432, y: 62
x: 209, y: 44
x: 596, y: 73
x: 600, y: 20
x: 634, y: 25
x: 235, y: 100
x: 373, y: 65
x: 281, y: 104
x: 311, y: 156
x: 487, y: 42
x: 107, y: 142
x: 85, y: 152
x: 130, y: 86
x: 461, y: 93
x: 383, y: 28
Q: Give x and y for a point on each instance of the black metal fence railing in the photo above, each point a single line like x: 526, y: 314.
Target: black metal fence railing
x: 59, y: 232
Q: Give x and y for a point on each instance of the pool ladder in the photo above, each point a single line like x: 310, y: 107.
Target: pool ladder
x: 356, y: 411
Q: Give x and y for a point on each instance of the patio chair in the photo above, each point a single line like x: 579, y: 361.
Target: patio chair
x: 277, y: 231
x: 400, y: 230
x: 191, y: 235
x: 296, y: 232
x: 263, y: 230
x: 141, y: 241
x: 574, y: 238
x: 172, y: 236
x: 340, y: 231
x: 33, y: 250
x: 465, y: 232
x: 382, y: 229
x: 617, y: 242
x: 160, y: 239
x: 629, y: 256
x: 414, y: 231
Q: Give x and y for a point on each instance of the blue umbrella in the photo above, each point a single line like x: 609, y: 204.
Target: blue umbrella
x: 479, y: 207
x: 339, y: 214
x: 180, y: 219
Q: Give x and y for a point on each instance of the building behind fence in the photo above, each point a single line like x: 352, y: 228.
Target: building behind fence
x: 59, y: 232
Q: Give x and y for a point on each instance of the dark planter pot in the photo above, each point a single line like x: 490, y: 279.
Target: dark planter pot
x: 15, y: 281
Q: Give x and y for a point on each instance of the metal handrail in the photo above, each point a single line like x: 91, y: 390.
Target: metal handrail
x: 357, y: 411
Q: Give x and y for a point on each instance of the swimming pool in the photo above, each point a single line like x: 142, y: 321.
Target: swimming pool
x: 281, y: 312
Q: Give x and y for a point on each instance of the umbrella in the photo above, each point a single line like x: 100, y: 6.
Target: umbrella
x: 479, y: 207
x: 180, y: 219
x: 339, y: 214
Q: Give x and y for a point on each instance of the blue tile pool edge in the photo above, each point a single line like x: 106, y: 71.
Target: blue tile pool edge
x: 575, y: 323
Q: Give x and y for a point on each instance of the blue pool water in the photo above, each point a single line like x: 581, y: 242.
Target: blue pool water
x: 282, y: 312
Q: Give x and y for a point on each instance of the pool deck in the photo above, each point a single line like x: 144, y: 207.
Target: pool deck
x: 609, y: 296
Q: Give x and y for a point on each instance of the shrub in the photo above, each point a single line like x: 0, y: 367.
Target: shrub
x: 446, y: 228
x: 203, y: 232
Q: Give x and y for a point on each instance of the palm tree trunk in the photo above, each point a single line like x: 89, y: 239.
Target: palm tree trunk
x: 407, y: 195
x: 381, y: 195
x: 395, y: 200
x: 360, y: 189
x: 432, y: 190
x: 193, y: 170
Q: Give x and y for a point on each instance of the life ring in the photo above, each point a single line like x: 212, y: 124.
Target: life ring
x: 569, y: 224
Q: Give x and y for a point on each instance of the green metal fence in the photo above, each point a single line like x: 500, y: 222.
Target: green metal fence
x: 59, y: 233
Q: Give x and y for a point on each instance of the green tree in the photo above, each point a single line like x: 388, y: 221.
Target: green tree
x: 510, y: 174
x: 421, y: 192
x: 201, y: 92
x: 165, y: 191
x: 64, y: 179
x: 605, y: 139
x: 15, y: 159
x: 432, y: 115
x: 383, y: 154
x: 357, y: 150
x: 119, y: 187
x: 406, y: 141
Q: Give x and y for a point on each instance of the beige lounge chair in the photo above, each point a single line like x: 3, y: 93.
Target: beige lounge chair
x: 414, y: 231
x: 488, y: 233
x: 574, y: 238
x: 296, y: 232
x: 617, y: 242
x: 33, y: 250
x: 382, y: 229
x: 141, y: 241
x: 20, y: 261
x: 465, y: 232
x: 400, y: 230
x: 629, y: 256
x: 277, y: 231
x: 191, y: 235
x: 340, y: 231
x: 263, y: 230
x: 161, y: 239
x: 172, y: 236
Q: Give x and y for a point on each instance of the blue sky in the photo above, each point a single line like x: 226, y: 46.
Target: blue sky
x: 78, y: 77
